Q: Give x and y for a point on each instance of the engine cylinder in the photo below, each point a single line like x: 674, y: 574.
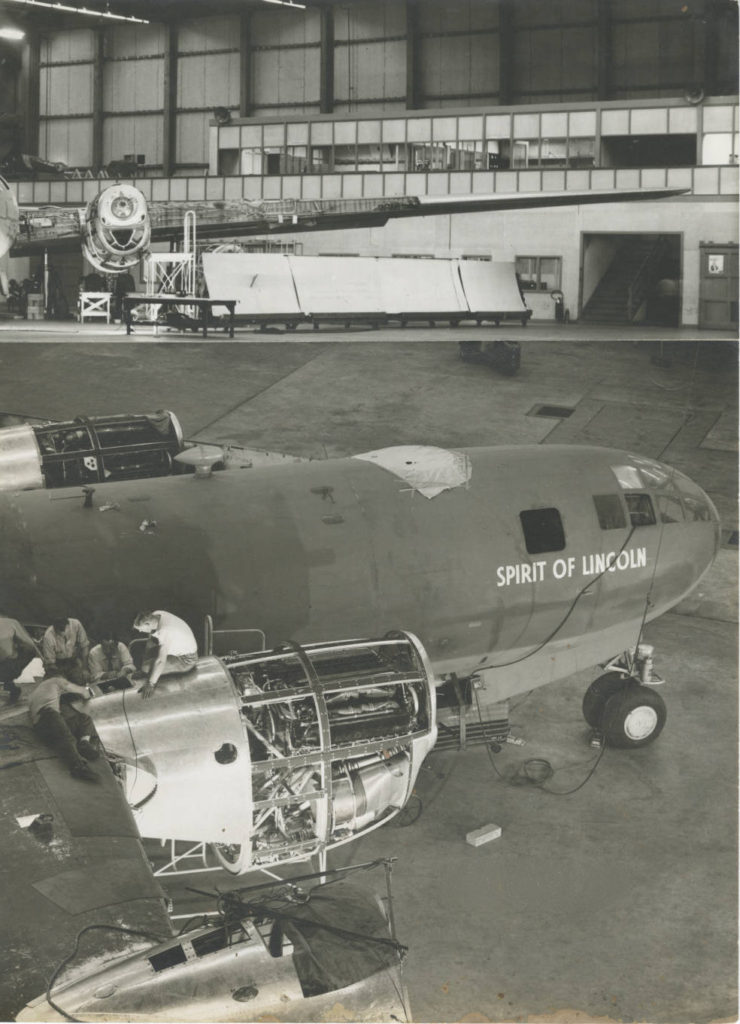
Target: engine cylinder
x: 371, y: 790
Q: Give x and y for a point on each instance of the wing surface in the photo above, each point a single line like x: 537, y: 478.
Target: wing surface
x: 61, y: 228
x: 84, y: 865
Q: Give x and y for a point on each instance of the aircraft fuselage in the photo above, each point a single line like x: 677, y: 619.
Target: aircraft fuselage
x: 338, y: 548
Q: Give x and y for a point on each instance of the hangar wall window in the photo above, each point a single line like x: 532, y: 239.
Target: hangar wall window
x: 543, y: 530
x: 640, y: 509
x: 539, y: 273
x: 610, y: 512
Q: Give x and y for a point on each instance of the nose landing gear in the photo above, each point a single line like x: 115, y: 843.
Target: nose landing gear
x: 620, y: 707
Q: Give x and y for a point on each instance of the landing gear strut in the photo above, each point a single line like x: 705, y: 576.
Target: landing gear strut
x: 620, y: 707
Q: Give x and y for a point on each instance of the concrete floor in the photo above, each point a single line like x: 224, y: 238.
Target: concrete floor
x: 618, y: 902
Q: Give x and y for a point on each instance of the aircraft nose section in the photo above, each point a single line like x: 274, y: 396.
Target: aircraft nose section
x: 698, y: 507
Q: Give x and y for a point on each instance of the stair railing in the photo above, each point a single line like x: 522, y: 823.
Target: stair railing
x: 642, y: 278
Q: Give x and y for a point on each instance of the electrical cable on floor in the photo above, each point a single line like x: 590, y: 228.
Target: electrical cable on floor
x: 536, y: 770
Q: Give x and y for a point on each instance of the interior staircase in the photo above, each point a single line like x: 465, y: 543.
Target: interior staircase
x: 628, y: 278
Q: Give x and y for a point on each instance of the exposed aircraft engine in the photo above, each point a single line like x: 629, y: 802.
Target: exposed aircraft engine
x: 116, y: 229
x: 89, y: 450
x: 280, y: 755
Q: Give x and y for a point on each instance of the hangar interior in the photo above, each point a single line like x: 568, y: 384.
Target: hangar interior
x: 606, y: 884
x: 616, y: 902
x: 371, y: 100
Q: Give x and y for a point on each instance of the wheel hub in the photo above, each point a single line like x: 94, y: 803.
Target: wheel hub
x: 641, y: 722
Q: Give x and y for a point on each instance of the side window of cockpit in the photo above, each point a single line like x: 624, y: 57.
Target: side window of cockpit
x: 640, y: 508
x: 669, y: 508
x: 543, y: 530
x: 610, y: 512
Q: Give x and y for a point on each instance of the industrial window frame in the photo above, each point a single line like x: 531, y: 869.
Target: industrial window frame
x: 530, y: 278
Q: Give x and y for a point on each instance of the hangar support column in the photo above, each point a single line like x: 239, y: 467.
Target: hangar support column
x: 245, y: 65
x: 30, y: 91
x: 169, y: 136
x: 505, y: 52
x: 97, y: 99
x: 412, y: 55
x: 604, y: 50
x: 326, y: 68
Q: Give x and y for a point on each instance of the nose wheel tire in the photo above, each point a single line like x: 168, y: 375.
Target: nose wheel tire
x: 634, y: 718
x: 599, y: 692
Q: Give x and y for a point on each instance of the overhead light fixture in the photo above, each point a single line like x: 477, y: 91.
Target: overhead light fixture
x: 285, y: 3
x: 12, y: 33
x: 79, y: 10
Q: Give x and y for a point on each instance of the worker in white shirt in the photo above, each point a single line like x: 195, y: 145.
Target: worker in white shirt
x: 69, y: 732
x: 65, y: 648
x: 110, y: 664
x: 172, y: 647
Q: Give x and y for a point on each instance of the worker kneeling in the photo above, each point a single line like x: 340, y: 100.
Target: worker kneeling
x: 172, y: 648
x: 68, y: 731
x: 110, y: 665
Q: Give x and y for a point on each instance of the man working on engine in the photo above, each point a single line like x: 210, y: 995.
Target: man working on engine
x: 171, y: 649
x: 64, y: 649
x: 70, y: 733
x: 110, y: 664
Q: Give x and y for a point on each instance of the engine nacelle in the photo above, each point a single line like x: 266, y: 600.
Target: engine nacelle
x: 87, y: 450
x: 116, y: 229
x: 276, y: 756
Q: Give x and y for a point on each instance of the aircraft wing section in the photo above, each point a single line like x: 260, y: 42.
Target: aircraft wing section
x: 48, y: 227
x: 242, y: 217
x: 82, y: 865
x: 116, y: 228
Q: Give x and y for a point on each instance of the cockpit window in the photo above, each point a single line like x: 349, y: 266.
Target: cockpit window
x: 628, y: 478
x: 696, y: 509
x: 543, y: 530
x: 670, y: 509
x: 695, y: 500
x: 610, y: 512
x: 640, y: 508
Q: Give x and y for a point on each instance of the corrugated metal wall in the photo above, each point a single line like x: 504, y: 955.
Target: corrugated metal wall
x: 370, y: 56
x: 133, y: 90
x: 65, y: 100
x: 655, y: 50
x: 208, y: 70
x: 555, y: 51
x: 458, y: 54
x: 285, y: 57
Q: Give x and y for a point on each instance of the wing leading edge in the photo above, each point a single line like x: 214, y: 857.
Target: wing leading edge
x: 56, y: 228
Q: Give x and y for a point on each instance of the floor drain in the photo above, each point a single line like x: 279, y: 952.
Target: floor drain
x: 558, y: 412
